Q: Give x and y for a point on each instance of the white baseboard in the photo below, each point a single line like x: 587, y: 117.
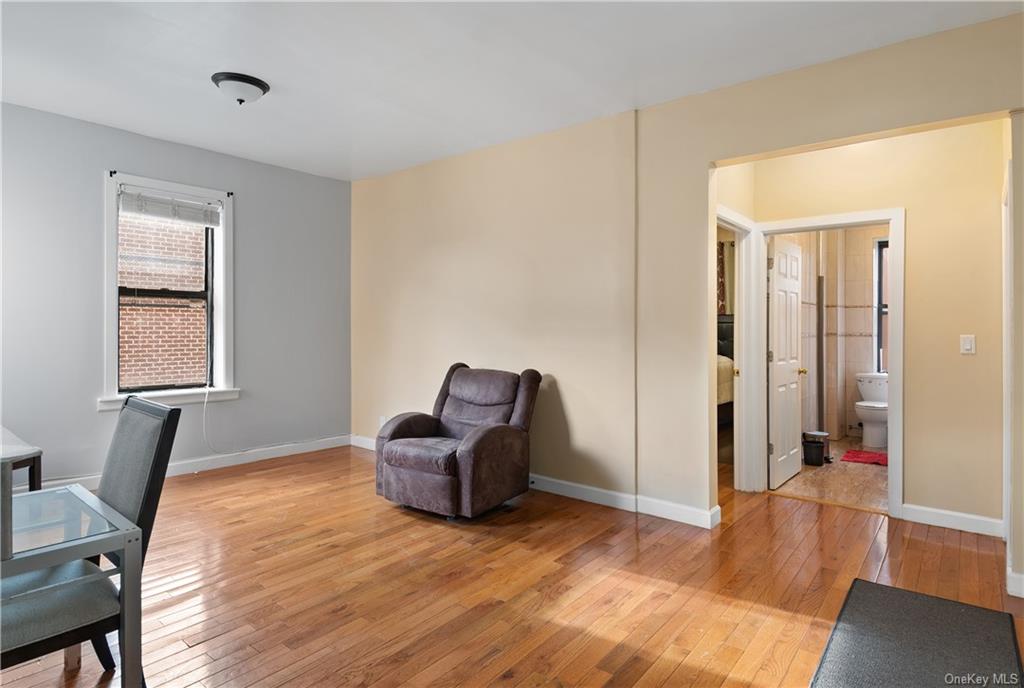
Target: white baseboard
x: 596, y: 495
x: 206, y: 463
x: 364, y: 442
x: 970, y: 523
x: 705, y: 518
x: 1014, y: 583
x: 627, y: 502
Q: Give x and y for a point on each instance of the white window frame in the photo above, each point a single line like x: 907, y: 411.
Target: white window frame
x: 223, y: 388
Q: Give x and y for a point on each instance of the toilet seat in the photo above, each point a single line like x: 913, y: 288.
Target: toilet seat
x: 873, y: 404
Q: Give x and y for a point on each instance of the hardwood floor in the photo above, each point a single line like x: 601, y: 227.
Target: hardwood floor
x: 292, y: 572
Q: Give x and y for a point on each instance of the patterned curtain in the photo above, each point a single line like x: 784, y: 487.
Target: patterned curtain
x: 729, y: 251
x: 721, y: 278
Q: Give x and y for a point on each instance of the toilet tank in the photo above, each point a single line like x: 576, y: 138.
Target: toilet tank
x: 873, y: 386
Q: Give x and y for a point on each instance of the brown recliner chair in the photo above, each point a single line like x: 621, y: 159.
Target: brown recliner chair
x: 472, y: 454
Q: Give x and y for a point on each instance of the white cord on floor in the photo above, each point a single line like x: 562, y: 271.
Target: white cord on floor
x: 206, y: 438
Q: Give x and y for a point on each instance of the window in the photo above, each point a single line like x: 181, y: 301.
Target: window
x: 882, y: 305
x: 164, y: 298
x: 168, y: 282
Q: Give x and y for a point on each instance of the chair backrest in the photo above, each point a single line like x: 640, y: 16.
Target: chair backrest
x: 471, y: 397
x: 136, y: 465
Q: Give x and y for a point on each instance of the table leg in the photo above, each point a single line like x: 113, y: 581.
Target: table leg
x: 35, y: 474
x: 73, y: 658
x: 131, y: 612
x: 6, y: 525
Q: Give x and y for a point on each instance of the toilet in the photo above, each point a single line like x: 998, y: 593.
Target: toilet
x: 873, y: 409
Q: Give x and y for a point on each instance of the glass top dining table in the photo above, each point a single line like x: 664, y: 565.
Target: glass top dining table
x: 51, y: 517
x: 58, y: 525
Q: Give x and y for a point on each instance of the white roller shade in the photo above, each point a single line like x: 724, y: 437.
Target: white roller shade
x: 170, y: 208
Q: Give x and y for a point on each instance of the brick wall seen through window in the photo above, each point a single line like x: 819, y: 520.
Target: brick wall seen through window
x: 162, y: 340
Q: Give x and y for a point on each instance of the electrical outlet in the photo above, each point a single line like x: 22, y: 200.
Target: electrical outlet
x: 967, y: 345
x: 381, y: 421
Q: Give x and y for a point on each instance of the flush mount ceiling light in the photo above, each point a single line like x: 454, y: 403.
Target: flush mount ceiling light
x: 241, y: 88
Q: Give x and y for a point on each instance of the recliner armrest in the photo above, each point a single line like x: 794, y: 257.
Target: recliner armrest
x: 494, y: 465
x: 402, y: 426
x: 408, y: 425
x: 493, y: 440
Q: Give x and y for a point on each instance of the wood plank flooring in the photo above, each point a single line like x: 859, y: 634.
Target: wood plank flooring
x: 292, y: 572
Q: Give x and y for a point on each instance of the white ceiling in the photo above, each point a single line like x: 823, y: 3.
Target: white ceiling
x: 359, y: 90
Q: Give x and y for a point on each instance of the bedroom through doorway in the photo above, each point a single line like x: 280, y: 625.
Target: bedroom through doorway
x: 726, y: 302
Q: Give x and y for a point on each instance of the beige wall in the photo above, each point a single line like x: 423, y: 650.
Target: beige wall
x: 950, y: 182
x: 736, y: 188
x: 951, y: 75
x: 436, y: 247
x: 515, y: 256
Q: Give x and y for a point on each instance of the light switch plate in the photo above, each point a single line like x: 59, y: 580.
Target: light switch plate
x: 967, y: 345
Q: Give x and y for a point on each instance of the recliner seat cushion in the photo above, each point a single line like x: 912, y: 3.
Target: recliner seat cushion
x: 427, y: 454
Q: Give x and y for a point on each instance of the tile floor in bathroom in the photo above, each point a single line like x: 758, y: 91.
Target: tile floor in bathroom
x: 859, y: 485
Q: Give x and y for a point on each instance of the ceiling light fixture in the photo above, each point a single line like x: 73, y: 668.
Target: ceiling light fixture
x: 241, y: 88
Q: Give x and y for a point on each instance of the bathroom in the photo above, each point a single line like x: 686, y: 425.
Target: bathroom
x: 843, y: 379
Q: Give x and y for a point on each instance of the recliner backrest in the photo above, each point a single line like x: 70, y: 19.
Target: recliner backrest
x: 475, y: 397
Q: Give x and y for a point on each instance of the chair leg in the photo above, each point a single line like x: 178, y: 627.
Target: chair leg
x: 72, y: 658
x: 102, y: 650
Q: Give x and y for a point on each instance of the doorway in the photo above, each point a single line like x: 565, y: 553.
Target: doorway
x: 863, y: 253
x: 828, y: 365
x: 726, y: 301
x: 783, y: 421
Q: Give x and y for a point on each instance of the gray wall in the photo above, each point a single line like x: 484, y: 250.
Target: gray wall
x: 291, y: 279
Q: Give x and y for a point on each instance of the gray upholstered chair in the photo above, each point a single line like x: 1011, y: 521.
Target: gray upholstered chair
x: 132, y: 480
x: 472, y: 454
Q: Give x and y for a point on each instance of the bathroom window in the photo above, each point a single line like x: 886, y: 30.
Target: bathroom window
x: 882, y: 305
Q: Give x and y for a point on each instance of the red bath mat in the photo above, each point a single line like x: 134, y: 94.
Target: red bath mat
x: 861, y: 456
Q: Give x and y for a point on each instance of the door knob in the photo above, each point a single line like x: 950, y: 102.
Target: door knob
x: 802, y: 371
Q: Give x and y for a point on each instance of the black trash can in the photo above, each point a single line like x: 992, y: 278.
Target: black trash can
x: 816, y: 449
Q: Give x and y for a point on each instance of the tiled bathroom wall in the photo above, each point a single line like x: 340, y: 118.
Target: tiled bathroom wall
x: 835, y: 321
x: 859, y: 309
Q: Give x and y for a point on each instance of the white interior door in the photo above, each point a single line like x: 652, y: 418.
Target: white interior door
x: 783, y: 362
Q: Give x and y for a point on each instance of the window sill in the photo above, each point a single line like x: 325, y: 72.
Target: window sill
x: 171, y: 397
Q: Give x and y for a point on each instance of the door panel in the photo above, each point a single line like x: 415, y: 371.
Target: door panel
x: 784, y: 364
